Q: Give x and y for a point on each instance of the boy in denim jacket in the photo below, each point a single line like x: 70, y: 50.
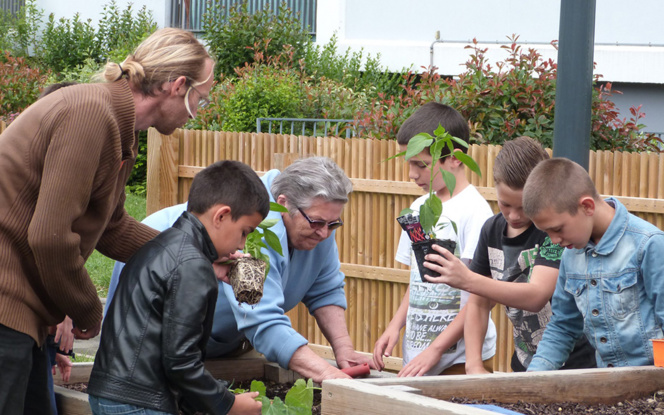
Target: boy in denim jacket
x: 611, y: 277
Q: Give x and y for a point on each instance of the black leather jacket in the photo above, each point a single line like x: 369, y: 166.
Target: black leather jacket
x: 154, y: 335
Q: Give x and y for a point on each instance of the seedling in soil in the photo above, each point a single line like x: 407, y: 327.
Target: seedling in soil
x: 299, y: 399
x: 247, y: 275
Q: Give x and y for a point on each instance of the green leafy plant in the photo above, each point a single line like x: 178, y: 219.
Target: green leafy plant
x: 19, y: 34
x: 121, y: 30
x: 231, y: 34
x: 432, y: 209
x: 67, y: 43
x: 20, y: 84
x: 254, y: 241
x: 298, y: 401
x: 502, y: 101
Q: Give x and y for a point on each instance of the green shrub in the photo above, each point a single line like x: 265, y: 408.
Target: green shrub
x: 20, y: 84
x: 274, y: 87
x: 71, y: 46
x: 120, y: 31
x: 137, y: 181
x: 351, y: 70
x: 20, y: 33
x: 514, y: 98
x: 234, y: 35
x: 258, y: 91
x: 67, y: 43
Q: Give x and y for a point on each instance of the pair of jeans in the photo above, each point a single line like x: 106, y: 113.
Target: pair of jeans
x: 102, y: 406
x: 24, y: 381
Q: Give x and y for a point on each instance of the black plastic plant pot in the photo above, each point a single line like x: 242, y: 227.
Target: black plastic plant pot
x: 423, y: 248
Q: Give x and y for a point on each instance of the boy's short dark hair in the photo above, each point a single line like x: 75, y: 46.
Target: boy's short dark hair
x: 516, y: 160
x: 54, y: 87
x: 231, y: 183
x: 428, y: 117
x: 557, y: 183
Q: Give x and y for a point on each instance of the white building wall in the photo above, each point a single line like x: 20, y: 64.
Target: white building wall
x: 92, y: 9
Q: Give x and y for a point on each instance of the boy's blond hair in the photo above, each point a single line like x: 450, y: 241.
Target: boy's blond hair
x: 516, y: 160
x: 557, y: 183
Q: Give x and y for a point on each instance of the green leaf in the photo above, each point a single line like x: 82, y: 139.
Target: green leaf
x: 406, y: 211
x: 267, y: 405
x: 440, y: 131
x: 258, y: 386
x: 272, y: 240
x: 450, y: 181
x: 428, y: 214
x: 469, y: 162
x: 403, y: 153
x: 417, y: 144
x: 268, y: 223
x: 300, y: 396
x: 276, y: 207
x: 276, y: 407
x: 459, y: 141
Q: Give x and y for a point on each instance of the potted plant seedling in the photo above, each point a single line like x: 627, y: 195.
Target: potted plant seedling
x: 247, y: 275
x: 422, y: 227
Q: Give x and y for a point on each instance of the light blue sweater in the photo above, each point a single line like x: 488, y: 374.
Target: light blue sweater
x: 311, y: 277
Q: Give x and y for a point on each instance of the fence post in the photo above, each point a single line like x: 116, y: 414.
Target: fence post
x: 162, y: 176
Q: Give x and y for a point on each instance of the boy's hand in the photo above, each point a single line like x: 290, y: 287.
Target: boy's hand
x: 421, y: 364
x: 383, y: 347
x: 65, y: 365
x: 452, y: 271
x: 223, y: 265
x: 246, y: 403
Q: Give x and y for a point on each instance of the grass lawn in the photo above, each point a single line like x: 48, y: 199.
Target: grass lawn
x: 100, y: 267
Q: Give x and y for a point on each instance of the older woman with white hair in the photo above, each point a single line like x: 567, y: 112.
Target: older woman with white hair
x: 315, y: 191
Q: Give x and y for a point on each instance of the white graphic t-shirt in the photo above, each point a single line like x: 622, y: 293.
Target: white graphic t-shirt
x: 432, y: 307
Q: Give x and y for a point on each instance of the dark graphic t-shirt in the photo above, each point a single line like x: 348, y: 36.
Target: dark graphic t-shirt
x: 513, y: 259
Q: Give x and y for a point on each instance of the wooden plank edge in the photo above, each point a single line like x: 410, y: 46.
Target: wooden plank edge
x: 592, y: 386
x: 347, y: 396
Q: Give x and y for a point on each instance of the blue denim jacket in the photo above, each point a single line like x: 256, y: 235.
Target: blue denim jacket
x: 613, y: 292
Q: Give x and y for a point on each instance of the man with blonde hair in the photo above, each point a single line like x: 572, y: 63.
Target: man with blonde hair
x: 64, y: 164
x: 610, y: 283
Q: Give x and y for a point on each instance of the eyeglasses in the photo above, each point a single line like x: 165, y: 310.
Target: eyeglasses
x: 202, y: 101
x: 320, y: 224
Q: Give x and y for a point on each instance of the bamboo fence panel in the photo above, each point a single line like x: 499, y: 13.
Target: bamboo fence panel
x: 375, y: 282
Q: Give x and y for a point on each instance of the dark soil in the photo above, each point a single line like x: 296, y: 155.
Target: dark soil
x: 647, y: 405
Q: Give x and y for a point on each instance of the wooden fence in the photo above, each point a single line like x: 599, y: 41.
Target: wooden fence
x: 375, y: 282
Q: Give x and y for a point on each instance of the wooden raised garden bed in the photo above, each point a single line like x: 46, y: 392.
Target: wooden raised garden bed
x: 429, y: 395
x: 71, y: 402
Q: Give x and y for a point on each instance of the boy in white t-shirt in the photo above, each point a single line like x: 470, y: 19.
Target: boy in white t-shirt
x: 433, y: 313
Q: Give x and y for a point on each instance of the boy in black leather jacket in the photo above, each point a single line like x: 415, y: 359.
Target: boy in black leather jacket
x: 155, y: 332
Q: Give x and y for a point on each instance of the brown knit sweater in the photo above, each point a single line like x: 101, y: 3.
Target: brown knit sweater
x: 64, y: 163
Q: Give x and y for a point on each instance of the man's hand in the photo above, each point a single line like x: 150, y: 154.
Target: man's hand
x: 383, y: 347
x: 452, y: 271
x: 349, y: 357
x: 87, y: 334
x: 64, y: 335
x: 223, y: 265
x: 421, y: 364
